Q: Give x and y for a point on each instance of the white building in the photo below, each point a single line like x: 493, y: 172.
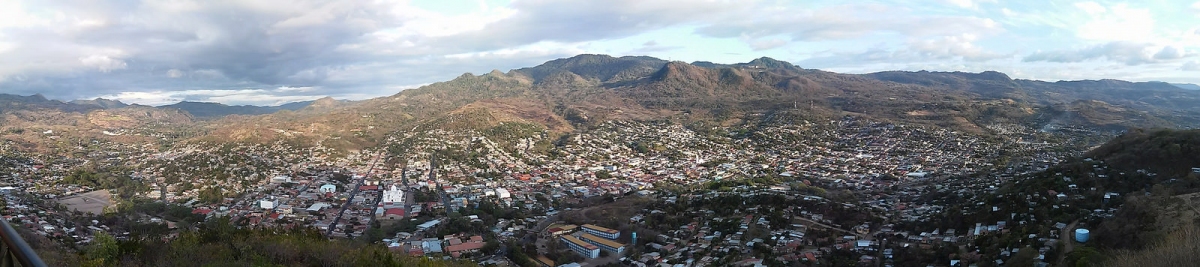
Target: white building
x: 327, y: 188
x: 281, y: 179
x: 268, y: 203
x: 503, y: 193
x: 393, y: 195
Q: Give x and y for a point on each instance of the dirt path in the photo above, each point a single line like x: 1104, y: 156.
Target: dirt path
x: 1065, y: 236
x: 830, y: 227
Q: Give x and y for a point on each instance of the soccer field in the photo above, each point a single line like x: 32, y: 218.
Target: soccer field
x: 93, y: 202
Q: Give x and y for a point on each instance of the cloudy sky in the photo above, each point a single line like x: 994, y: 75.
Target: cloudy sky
x: 270, y: 52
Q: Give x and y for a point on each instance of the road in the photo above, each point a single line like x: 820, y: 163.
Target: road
x: 1065, y: 237
x: 830, y: 227
x: 353, y: 192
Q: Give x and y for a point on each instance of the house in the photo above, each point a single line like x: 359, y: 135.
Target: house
x: 468, y: 247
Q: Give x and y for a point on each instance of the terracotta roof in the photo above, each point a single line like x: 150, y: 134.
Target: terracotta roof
x: 396, y: 211
x: 464, y: 247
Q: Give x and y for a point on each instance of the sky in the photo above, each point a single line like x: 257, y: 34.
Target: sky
x: 270, y: 52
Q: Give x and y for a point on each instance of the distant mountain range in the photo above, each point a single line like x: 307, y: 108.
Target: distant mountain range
x: 203, y: 110
x: 216, y: 110
x: 1188, y: 86
x: 566, y: 94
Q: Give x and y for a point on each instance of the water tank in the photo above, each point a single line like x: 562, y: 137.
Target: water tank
x: 1082, y: 235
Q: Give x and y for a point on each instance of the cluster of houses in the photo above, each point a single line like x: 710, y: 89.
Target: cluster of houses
x: 276, y: 185
x: 452, y: 245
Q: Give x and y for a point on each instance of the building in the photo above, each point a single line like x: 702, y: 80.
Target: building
x: 609, y: 245
x: 267, y: 204
x: 393, y: 195
x: 472, y: 245
x: 281, y: 179
x: 503, y: 193
x: 427, y: 225
x: 583, y: 248
x: 327, y: 188
x: 393, y: 214
x: 601, y: 231
x: 317, y: 207
x: 558, y: 230
x: 431, y: 245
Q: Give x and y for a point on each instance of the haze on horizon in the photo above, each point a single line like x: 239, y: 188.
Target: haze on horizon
x: 157, y: 52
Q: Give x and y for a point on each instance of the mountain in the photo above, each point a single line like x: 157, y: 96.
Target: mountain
x: 38, y: 101
x: 208, y: 110
x: 1188, y: 86
x: 100, y: 102
x: 565, y: 94
x: 34, y: 123
x: 568, y: 94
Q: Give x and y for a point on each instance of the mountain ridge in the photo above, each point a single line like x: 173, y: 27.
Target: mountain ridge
x: 586, y: 89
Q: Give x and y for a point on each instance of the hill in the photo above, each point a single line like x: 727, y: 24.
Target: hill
x: 1164, y: 151
x: 1189, y: 86
x: 100, y: 102
x: 586, y: 89
x: 207, y: 110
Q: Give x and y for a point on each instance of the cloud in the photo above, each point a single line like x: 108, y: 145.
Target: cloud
x: 1190, y: 66
x: 650, y: 47
x: 917, y: 51
x: 578, y: 21
x: 846, y: 22
x: 953, y: 47
x: 769, y: 43
x: 102, y: 63
x: 1091, y: 7
x: 108, y: 48
x: 1169, y: 53
x: 968, y: 4
x: 1129, y: 53
x: 294, y: 49
x: 1117, y: 23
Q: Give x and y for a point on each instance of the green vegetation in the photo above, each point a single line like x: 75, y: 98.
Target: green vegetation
x: 122, y: 185
x: 1165, y: 151
x: 218, y: 243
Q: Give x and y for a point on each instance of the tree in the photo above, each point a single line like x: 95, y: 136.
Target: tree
x: 104, y: 250
x: 1025, y: 257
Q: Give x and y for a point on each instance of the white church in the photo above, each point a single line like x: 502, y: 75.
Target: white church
x: 393, y: 196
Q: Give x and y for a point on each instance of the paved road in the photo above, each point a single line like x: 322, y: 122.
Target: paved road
x: 353, y: 192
